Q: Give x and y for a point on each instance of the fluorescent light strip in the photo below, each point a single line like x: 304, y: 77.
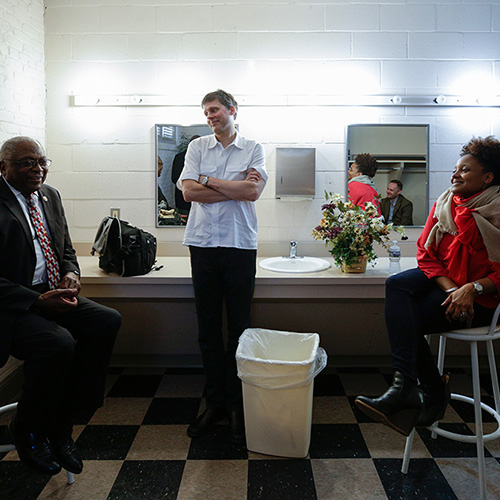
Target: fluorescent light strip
x: 294, y: 100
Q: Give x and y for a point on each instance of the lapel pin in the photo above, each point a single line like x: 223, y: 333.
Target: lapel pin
x: 45, y: 198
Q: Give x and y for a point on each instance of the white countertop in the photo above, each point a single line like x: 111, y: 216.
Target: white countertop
x: 173, y: 280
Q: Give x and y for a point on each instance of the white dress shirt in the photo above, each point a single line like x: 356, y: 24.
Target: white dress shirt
x: 228, y: 223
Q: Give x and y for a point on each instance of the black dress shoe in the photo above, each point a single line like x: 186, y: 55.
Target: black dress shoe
x: 33, y: 450
x: 206, y: 421
x: 436, y: 399
x: 65, y: 451
x: 237, y: 426
x: 398, y: 408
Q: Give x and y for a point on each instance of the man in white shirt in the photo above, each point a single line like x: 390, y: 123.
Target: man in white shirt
x: 224, y: 174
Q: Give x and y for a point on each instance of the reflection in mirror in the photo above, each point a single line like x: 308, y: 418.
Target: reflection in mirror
x: 171, y: 146
x: 402, y: 154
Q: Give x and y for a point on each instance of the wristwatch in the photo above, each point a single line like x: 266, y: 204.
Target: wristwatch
x: 204, y: 180
x: 478, y: 288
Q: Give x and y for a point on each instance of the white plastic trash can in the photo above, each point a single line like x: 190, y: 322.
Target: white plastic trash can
x: 277, y: 370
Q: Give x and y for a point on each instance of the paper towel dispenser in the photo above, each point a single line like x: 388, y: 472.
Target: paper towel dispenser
x: 295, y: 172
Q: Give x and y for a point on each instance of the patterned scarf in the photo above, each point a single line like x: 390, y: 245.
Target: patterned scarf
x: 474, y: 221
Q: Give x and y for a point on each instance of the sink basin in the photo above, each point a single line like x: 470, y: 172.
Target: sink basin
x: 297, y: 265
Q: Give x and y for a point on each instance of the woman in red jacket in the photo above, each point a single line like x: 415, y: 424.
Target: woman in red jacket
x: 456, y: 284
x: 360, y: 187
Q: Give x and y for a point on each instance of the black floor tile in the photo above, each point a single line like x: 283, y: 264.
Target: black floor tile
x: 106, y: 442
x: 337, y: 441
x: 485, y: 382
x: 114, y: 370
x: 3, y: 436
x: 466, y: 410
x: 148, y: 480
x: 424, y: 480
x: 216, y: 445
x: 184, y: 370
x: 280, y: 480
x: 447, y: 448
x: 135, y: 386
x: 175, y: 411
x: 359, y: 369
x: 17, y: 482
x: 328, y: 384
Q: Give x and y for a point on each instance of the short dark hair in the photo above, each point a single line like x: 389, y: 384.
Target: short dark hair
x: 487, y: 152
x: 367, y: 164
x: 398, y: 182
x: 225, y: 98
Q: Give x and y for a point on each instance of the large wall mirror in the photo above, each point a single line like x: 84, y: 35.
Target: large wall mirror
x: 171, y: 145
x: 402, y: 153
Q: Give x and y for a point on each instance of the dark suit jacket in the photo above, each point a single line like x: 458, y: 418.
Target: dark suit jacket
x: 403, y: 211
x: 18, y: 260
x: 177, y: 166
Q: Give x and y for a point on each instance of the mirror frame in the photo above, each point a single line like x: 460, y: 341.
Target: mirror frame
x: 349, y: 158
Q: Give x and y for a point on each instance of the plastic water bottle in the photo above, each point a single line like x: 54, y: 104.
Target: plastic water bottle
x: 394, y: 258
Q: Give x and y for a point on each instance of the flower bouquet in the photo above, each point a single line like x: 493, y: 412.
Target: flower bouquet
x: 349, y: 231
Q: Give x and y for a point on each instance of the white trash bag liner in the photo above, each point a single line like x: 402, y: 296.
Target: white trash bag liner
x: 272, y: 359
x: 277, y: 370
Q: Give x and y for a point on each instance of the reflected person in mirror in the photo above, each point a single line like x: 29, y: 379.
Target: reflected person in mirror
x: 223, y: 176
x: 360, y: 187
x: 396, y: 208
x: 456, y: 285
x: 177, y: 165
x: 64, y: 339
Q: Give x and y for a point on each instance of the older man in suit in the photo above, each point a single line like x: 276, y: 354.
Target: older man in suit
x: 64, y: 340
x: 396, y: 208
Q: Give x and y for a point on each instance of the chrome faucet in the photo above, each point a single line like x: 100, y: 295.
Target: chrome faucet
x: 293, y: 250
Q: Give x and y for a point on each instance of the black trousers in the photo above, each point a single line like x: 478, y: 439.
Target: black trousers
x: 66, y: 357
x: 412, y: 310
x: 222, y: 276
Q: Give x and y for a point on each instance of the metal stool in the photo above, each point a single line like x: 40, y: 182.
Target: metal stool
x: 485, y: 334
x: 10, y: 447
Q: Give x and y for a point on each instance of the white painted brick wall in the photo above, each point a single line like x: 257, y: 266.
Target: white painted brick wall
x: 105, y: 157
x: 22, y: 76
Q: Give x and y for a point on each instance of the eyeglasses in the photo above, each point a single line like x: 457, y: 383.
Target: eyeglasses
x: 29, y: 163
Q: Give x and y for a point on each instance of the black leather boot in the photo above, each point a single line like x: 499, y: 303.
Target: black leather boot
x: 436, y: 399
x: 398, y: 408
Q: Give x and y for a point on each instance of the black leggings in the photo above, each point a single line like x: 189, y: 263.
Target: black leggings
x: 412, y: 310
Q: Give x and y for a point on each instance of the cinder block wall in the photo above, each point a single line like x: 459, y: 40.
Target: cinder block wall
x: 104, y: 157
x: 22, y: 71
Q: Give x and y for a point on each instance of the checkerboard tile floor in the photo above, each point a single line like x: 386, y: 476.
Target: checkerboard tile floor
x: 136, y: 447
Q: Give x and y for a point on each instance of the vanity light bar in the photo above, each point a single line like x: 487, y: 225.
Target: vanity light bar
x: 320, y: 100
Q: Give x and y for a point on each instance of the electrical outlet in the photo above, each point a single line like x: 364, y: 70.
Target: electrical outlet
x: 115, y: 212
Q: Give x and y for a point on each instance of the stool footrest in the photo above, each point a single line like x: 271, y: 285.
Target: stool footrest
x: 462, y: 437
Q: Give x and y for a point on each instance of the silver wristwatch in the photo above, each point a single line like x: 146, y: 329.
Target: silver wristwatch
x: 478, y: 288
x: 204, y: 180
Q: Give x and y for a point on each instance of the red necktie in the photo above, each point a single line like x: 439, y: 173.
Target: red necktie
x: 43, y: 237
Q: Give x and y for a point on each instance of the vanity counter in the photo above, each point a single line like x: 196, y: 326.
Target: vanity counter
x: 160, y: 328
x: 173, y: 280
